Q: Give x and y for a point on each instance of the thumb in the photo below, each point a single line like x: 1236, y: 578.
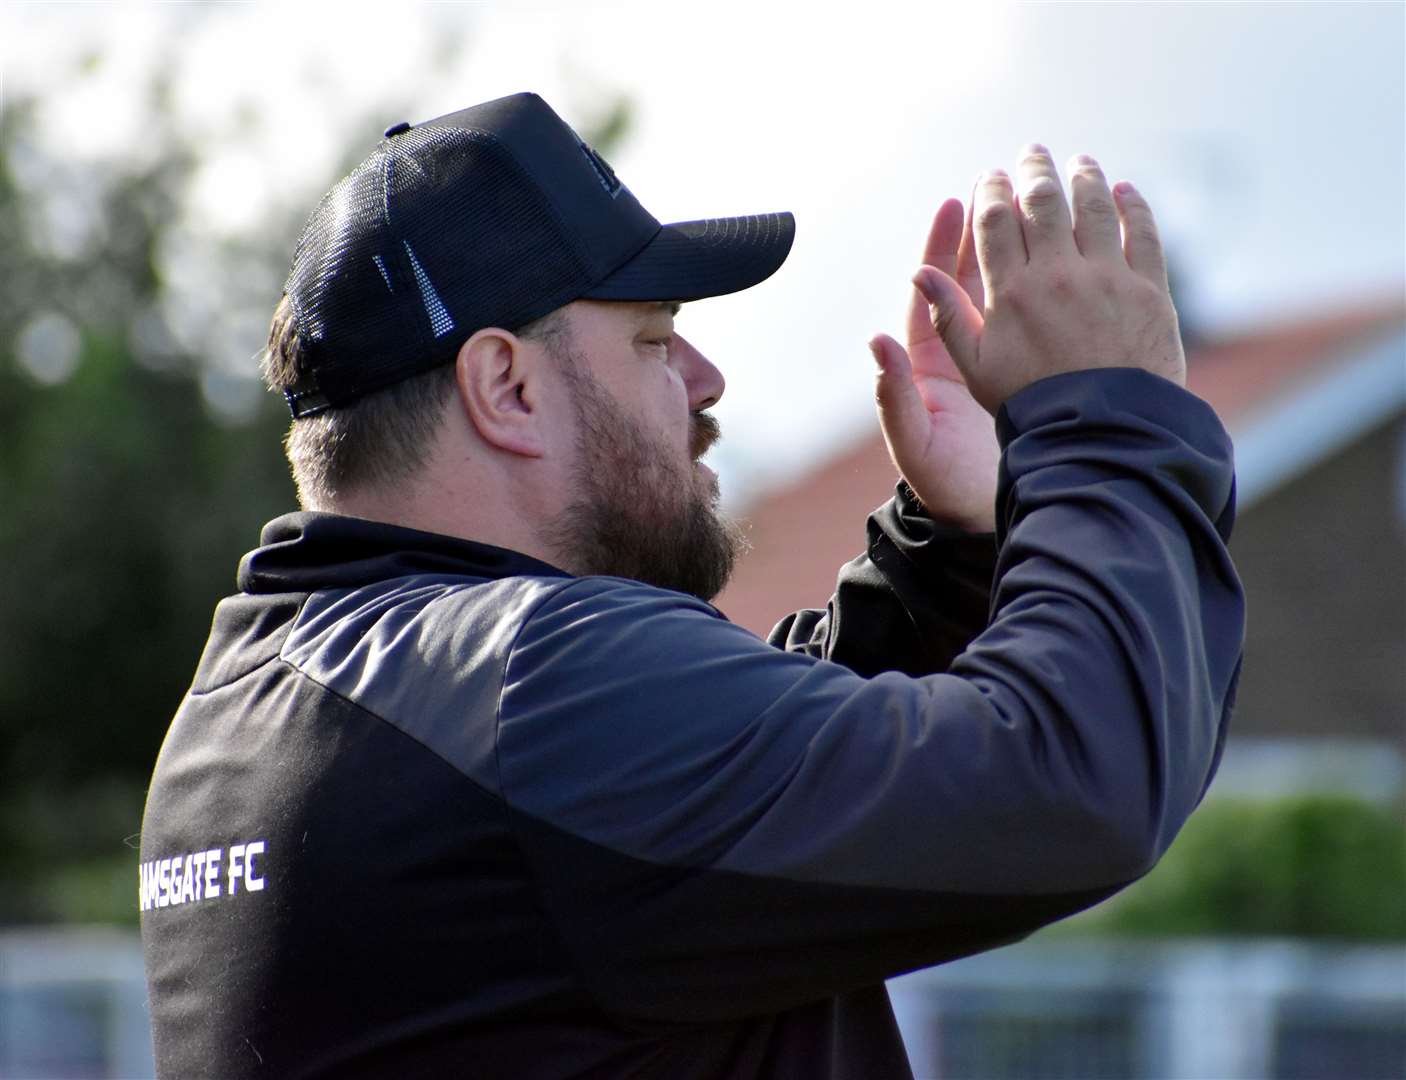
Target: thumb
x: 902, y: 414
x: 954, y: 316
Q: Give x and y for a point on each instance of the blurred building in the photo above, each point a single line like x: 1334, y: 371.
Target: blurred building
x: 1315, y: 405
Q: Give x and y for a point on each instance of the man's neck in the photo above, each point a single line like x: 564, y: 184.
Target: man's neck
x: 443, y: 515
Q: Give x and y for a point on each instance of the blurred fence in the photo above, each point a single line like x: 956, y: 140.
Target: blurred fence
x: 1091, y: 1009
x: 72, y: 1004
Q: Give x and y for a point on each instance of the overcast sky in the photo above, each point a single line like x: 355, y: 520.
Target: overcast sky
x: 1269, y: 138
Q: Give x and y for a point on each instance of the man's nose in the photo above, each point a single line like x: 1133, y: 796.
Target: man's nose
x: 705, y: 382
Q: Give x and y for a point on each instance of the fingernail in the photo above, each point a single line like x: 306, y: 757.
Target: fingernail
x: 1124, y: 187
x: 1035, y: 148
x: 1085, y: 159
x: 923, y: 282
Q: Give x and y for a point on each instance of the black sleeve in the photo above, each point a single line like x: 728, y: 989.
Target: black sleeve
x: 721, y: 828
x: 911, y: 603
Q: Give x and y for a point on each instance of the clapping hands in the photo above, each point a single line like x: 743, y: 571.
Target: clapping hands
x: 1017, y: 289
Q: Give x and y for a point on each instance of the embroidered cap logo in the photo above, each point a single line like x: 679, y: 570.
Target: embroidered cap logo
x: 604, y: 173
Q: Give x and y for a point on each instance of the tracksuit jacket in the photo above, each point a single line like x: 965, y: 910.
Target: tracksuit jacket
x: 433, y: 808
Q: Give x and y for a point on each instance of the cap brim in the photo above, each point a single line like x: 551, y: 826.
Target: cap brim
x: 693, y: 259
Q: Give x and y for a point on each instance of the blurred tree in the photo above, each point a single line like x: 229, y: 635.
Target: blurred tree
x: 1310, y: 866
x: 134, y: 472
x: 126, y: 504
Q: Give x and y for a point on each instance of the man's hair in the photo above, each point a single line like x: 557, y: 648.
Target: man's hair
x: 379, y: 439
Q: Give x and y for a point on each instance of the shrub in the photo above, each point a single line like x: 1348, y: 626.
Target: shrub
x: 1308, y: 866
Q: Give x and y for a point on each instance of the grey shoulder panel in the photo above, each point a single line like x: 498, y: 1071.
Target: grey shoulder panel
x: 424, y: 653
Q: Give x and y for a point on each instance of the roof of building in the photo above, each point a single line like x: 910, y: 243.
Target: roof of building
x: 1290, y: 394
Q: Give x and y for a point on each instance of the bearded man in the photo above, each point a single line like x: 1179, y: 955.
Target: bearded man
x: 472, y: 779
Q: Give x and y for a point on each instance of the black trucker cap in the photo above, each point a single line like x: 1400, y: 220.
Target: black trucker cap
x: 491, y: 216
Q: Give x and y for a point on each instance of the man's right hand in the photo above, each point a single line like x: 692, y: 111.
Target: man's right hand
x: 1062, y: 293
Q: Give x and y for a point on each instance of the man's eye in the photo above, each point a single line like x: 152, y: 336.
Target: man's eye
x: 662, y: 343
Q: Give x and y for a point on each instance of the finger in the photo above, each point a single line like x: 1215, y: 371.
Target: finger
x: 1142, y: 247
x: 1000, y: 247
x: 940, y: 250
x: 954, y: 316
x: 968, y: 268
x: 944, y: 237
x: 1044, y: 214
x: 902, y: 414
x: 1095, y: 216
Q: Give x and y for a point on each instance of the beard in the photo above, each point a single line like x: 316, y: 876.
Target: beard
x: 638, y: 512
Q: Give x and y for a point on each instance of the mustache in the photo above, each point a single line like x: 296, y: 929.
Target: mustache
x: 704, y: 431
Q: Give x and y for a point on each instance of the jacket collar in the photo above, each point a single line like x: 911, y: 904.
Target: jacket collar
x: 306, y: 551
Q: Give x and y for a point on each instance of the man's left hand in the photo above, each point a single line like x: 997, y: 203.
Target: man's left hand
x: 941, y: 441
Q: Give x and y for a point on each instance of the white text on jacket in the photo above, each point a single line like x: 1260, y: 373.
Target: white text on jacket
x: 200, y: 875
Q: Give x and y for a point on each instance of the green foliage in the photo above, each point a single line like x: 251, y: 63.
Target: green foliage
x: 608, y: 128
x: 127, y: 503
x: 1310, y: 866
x: 127, y: 494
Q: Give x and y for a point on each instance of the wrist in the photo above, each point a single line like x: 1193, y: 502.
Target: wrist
x: 974, y: 522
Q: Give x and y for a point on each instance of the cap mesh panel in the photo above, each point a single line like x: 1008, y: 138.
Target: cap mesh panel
x: 456, y: 203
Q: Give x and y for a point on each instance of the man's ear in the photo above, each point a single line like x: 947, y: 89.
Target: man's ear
x: 499, y: 380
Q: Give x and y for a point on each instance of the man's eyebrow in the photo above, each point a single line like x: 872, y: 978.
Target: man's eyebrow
x: 671, y: 306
